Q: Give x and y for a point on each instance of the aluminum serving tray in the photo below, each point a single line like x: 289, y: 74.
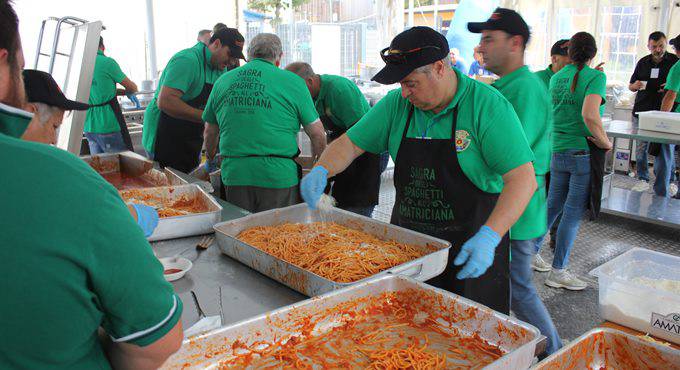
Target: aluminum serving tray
x: 605, y: 348
x: 309, y: 283
x: 516, y: 338
x: 187, y: 225
x: 133, y: 165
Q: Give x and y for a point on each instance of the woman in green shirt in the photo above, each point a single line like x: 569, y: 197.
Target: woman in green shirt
x: 578, y: 97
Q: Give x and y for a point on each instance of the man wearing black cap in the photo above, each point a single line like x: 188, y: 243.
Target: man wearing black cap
x: 173, y: 127
x: 463, y: 168
x: 670, y: 99
x: 504, y: 39
x: 45, y: 96
x: 558, y: 59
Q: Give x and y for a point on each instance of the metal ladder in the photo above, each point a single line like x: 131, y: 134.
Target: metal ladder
x: 61, y: 23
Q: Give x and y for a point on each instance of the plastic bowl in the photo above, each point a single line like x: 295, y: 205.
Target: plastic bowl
x: 179, y: 263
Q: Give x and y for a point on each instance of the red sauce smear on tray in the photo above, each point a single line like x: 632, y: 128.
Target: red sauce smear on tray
x: 171, y: 271
x: 122, y: 181
x: 410, y: 329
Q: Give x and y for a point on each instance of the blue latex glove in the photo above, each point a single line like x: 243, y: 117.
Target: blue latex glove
x: 133, y: 98
x: 313, y: 185
x: 210, y: 165
x: 147, y: 218
x: 477, y: 253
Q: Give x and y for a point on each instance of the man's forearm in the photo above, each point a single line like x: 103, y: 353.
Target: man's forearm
x: 177, y: 108
x: 518, y: 188
x: 318, y: 145
x: 211, y: 133
x: 339, y: 155
x: 668, y: 99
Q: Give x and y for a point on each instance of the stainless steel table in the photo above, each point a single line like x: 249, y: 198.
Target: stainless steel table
x: 641, y: 206
x: 245, y: 292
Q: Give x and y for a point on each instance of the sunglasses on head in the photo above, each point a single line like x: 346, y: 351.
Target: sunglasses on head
x: 401, y: 57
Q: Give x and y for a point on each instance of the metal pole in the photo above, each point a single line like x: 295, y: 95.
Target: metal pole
x: 410, y: 13
x: 330, y: 11
x: 436, y: 15
x: 151, y: 41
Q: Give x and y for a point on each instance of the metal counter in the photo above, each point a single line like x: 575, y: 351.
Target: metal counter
x: 245, y: 292
x: 641, y: 206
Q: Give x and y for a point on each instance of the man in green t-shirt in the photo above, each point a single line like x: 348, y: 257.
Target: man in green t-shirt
x: 340, y: 105
x: 672, y: 96
x: 463, y: 168
x: 256, y: 111
x: 173, y: 127
x: 504, y: 39
x: 81, y: 286
x: 558, y: 59
x: 105, y: 128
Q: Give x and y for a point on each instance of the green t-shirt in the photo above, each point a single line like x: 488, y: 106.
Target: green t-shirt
x: 545, y: 75
x: 520, y: 87
x: 186, y: 71
x: 673, y: 83
x: 569, y: 130
x: 73, y: 260
x: 341, y: 100
x: 13, y: 121
x: 107, y: 73
x: 259, y: 109
x: 490, y: 137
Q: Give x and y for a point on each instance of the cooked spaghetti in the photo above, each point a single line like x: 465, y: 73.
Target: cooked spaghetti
x: 166, y: 207
x: 331, y: 250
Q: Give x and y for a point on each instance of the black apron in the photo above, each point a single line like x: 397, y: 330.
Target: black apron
x: 433, y: 196
x: 597, y: 159
x: 118, y: 112
x: 359, y: 184
x: 179, y: 142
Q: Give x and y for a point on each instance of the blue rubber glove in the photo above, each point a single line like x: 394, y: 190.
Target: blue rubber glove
x: 477, y: 253
x: 210, y: 165
x: 147, y: 218
x: 313, y: 185
x: 133, y: 98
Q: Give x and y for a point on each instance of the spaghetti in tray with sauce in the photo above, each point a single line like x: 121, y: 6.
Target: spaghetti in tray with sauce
x: 330, y: 250
x: 167, y: 207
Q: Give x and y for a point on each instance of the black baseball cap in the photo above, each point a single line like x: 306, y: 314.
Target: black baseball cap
x: 413, y: 48
x: 42, y: 88
x: 561, y: 47
x: 503, y: 19
x: 232, y: 38
x: 675, y: 42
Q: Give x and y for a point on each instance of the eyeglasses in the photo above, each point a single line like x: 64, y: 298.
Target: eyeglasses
x: 401, y: 57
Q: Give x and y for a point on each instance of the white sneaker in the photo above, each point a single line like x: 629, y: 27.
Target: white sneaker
x: 673, y: 189
x: 641, y: 186
x: 540, y: 265
x: 564, y: 279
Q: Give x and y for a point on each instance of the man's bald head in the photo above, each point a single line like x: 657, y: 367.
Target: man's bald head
x: 305, y: 71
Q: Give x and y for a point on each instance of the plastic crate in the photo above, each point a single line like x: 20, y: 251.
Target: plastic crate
x: 626, y: 300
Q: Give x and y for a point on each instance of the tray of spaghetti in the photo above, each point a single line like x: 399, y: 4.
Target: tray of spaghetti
x: 129, y: 170
x: 391, y: 322
x: 314, y: 251
x: 183, y: 210
x: 605, y: 348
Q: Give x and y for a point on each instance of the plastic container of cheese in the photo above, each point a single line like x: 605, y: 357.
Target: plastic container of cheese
x: 640, y: 289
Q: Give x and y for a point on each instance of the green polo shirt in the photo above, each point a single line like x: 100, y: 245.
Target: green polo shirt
x: 107, y: 73
x: 13, y: 121
x: 259, y: 109
x: 490, y: 138
x: 341, y: 100
x: 520, y: 87
x: 569, y: 129
x: 545, y: 75
x: 184, y: 72
x: 74, y: 260
x: 673, y: 83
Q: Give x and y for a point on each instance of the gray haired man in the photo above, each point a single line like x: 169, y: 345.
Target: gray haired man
x: 255, y: 112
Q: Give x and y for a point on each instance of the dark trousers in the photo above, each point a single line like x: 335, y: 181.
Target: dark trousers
x: 256, y: 199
